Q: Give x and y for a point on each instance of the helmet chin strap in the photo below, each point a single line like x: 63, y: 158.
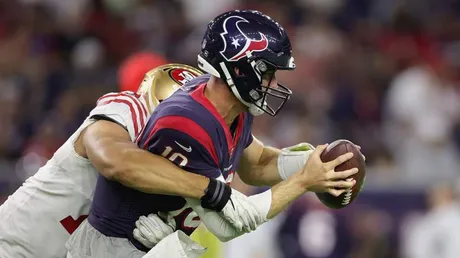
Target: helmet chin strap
x: 253, y: 109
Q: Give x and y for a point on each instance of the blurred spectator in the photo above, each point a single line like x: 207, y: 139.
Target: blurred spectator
x: 437, y: 234
x: 423, y: 108
x: 370, y: 235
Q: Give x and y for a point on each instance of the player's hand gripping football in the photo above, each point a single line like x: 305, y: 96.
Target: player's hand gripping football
x: 321, y: 177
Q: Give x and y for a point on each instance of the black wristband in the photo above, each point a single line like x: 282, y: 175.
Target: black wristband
x: 216, y: 195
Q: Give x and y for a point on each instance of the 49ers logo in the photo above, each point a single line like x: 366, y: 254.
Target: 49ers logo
x: 182, y: 76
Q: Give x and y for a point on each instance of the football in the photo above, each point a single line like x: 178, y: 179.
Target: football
x: 334, y: 150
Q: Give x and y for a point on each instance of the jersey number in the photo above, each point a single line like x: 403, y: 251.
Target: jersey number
x: 186, y: 220
x: 174, y: 156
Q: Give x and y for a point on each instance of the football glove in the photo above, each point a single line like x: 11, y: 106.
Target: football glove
x: 243, y: 209
x: 151, y: 229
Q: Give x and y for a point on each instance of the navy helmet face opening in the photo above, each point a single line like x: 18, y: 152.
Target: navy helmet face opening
x: 254, y: 45
x: 257, y: 89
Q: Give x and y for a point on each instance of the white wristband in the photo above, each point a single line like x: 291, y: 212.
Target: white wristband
x: 290, y: 162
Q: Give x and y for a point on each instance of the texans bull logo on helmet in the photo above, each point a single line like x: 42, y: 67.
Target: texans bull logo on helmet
x: 241, y: 43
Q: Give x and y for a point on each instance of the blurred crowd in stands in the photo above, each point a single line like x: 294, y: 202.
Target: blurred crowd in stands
x: 382, y: 73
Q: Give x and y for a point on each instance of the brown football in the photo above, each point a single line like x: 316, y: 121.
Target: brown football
x: 334, y: 150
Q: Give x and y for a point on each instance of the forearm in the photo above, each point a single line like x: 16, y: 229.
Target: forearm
x: 143, y: 171
x: 154, y: 174
x: 266, y: 205
x: 271, y: 202
x: 264, y: 172
x: 283, y: 194
x: 262, y: 165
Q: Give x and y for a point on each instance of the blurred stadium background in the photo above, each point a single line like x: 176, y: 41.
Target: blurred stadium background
x: 382, y: 73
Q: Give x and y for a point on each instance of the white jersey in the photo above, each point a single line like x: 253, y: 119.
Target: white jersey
x: 39, y: 217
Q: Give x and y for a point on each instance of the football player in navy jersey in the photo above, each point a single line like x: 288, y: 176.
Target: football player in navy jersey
x: 205, y: 128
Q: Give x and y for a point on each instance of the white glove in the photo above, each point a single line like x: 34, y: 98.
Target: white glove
x: 151, y: 229
x: 245, y: 214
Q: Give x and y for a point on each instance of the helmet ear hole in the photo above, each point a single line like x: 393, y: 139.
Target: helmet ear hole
x: 236, y: 70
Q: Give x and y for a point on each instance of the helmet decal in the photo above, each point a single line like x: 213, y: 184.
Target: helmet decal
x: 181, y: 75
x: 241, y: 43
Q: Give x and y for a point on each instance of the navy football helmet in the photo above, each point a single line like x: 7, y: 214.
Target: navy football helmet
x: 254, y: 45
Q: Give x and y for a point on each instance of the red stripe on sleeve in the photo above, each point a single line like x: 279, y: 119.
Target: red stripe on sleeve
x: 140, y: 109
x: 131, y: 109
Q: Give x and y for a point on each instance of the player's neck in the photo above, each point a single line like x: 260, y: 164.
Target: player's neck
x: 224, y: 101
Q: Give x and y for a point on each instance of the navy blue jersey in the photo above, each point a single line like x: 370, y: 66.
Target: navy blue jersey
x: 188, y: 130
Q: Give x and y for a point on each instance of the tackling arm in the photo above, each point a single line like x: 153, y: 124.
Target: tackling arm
x: 115, y: 156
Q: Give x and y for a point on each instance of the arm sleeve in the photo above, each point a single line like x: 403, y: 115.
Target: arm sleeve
x: 223, y: 229
x: 124, y: 109
x: 215, y: 223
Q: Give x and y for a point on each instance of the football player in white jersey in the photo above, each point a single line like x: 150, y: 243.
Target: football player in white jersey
x: 39, y: 217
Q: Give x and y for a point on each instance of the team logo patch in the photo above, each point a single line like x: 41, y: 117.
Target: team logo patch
x: 236, y: 46
x: 182, y: 76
